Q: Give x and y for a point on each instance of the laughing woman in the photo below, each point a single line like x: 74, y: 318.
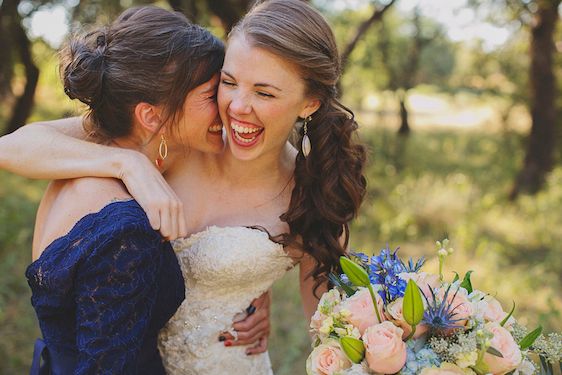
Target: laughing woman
x: 280, y: 74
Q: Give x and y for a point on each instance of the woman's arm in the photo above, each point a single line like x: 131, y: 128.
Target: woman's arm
x: 58, y: 150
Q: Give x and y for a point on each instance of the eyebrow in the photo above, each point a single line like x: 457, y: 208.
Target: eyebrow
x: 258, y: 84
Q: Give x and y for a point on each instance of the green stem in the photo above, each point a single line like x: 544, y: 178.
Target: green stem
x: 411, y: 333
x: 374, y: 302
x: 440, y: 268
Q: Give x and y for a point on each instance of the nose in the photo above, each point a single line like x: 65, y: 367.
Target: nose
x: 240, y: 104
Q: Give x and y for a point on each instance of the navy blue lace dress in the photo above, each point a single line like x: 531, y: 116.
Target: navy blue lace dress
x: 102, y: 292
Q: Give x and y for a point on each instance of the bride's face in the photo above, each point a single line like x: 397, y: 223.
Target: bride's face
x: 260, y: 98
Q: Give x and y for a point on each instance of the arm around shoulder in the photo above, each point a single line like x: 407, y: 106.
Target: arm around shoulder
x: 58, y: 150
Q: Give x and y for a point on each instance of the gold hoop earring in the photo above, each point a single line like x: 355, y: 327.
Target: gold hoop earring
x: 305, y: 145
x: 162, y: 152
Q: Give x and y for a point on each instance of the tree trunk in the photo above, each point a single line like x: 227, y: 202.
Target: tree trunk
x: 404, y: 124
x: 187, y: 7
x: 229, y: 11
x: 539, y: 157
x: 24, y: 103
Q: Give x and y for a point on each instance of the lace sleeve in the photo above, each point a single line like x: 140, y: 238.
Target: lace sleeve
x: 115, y: 293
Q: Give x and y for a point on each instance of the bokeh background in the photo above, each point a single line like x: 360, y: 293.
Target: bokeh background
x: 457, y: 103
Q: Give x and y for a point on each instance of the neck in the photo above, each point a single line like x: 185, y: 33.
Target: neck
x: 272, y: 169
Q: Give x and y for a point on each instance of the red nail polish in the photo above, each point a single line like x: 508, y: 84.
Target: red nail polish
x: 227, y: 343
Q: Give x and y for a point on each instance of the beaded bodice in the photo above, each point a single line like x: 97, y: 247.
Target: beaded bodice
x: 224, y: 268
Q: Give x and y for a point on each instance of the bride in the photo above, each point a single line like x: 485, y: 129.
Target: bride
x: 255, y: 210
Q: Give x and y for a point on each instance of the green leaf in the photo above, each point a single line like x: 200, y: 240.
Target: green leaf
x: 412, y: 305
x: 456, y: 277
x: 466, y: 282
x: 528, y: 340
x: 508, y: 315
x: 353, y: 348
x: 356, y: 274
x: 494, y: 351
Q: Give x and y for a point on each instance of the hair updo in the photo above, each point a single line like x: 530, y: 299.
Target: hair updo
x: 329, y: 183
x: 148, y: 54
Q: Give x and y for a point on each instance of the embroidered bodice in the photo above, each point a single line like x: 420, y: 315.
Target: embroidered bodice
x: 224, y: 268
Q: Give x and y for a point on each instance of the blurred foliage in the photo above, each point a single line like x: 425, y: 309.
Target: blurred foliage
x: 436, y: 183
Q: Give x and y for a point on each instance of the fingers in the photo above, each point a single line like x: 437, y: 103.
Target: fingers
x: 258, y: 317
x: 251, y: 336
x: 260, y: 347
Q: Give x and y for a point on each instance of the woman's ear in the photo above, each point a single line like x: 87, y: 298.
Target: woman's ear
x: 149, y: 117
x: 311, y: 106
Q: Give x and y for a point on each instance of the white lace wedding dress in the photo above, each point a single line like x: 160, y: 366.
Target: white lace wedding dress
x: 224, y: 269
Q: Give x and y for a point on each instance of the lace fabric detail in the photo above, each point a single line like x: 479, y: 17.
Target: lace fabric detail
x: 224, y: 268
x: 102, y: 292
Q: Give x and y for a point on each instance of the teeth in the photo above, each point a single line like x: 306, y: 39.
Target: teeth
x: 215, y: 128
x: 243, y: 130
x: 243, y: 140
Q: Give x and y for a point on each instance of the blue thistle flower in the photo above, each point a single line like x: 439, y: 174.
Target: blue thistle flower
x: 411, y: 267
x: 441, y: 315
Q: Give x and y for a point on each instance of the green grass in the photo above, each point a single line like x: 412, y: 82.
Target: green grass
x: 432, y: 185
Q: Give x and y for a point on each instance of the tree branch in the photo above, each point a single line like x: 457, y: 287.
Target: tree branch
x: 361, y: 30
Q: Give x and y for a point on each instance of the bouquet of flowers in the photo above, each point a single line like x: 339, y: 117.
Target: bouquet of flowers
x: 386, y: 316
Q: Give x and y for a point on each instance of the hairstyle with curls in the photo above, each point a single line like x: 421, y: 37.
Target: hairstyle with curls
x: 329, y: 183
x: 148, y: 54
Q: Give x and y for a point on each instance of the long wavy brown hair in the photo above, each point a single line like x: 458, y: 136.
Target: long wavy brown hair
x: 329, y: 182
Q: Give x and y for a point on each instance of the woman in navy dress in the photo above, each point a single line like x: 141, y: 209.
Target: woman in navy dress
x: 103, y: 280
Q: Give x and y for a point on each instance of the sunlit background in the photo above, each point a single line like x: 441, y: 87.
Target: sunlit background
x: 442, y: 92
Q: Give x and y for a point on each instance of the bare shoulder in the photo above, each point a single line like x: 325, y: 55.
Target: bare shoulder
x: 67, y: 201
x: 95, y: 192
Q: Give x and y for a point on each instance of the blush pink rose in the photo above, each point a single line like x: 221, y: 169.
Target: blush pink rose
x: 361, y: 309
x: 384, y: 349
x: 506, y: 345
x: 394, y: 314
x: 317, y: 320
x: 493, y: 311
x: 327, y: 359
x: 425, y: 281
x: 459, y: 301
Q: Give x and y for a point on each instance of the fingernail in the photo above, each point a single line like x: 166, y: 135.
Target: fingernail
x: 227, y: 343
x: 222, y: 338
x: 251, y: 309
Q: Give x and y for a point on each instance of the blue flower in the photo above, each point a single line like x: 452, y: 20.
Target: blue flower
x: 441, y: 315
x: 384, y: 269
x: 417, y: 361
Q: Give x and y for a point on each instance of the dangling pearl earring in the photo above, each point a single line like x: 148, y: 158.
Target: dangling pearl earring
x: 305, y: 145
x: 162, y: 152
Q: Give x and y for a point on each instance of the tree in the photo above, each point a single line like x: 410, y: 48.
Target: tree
x: 540, y: 18
x: 420, y: 54
x: 539, y: 158
x: 11, y: 24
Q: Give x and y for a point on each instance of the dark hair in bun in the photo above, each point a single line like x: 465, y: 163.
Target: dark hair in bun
x: 148, y: 54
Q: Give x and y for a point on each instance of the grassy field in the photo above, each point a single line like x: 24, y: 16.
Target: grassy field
x: 434, y: 184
